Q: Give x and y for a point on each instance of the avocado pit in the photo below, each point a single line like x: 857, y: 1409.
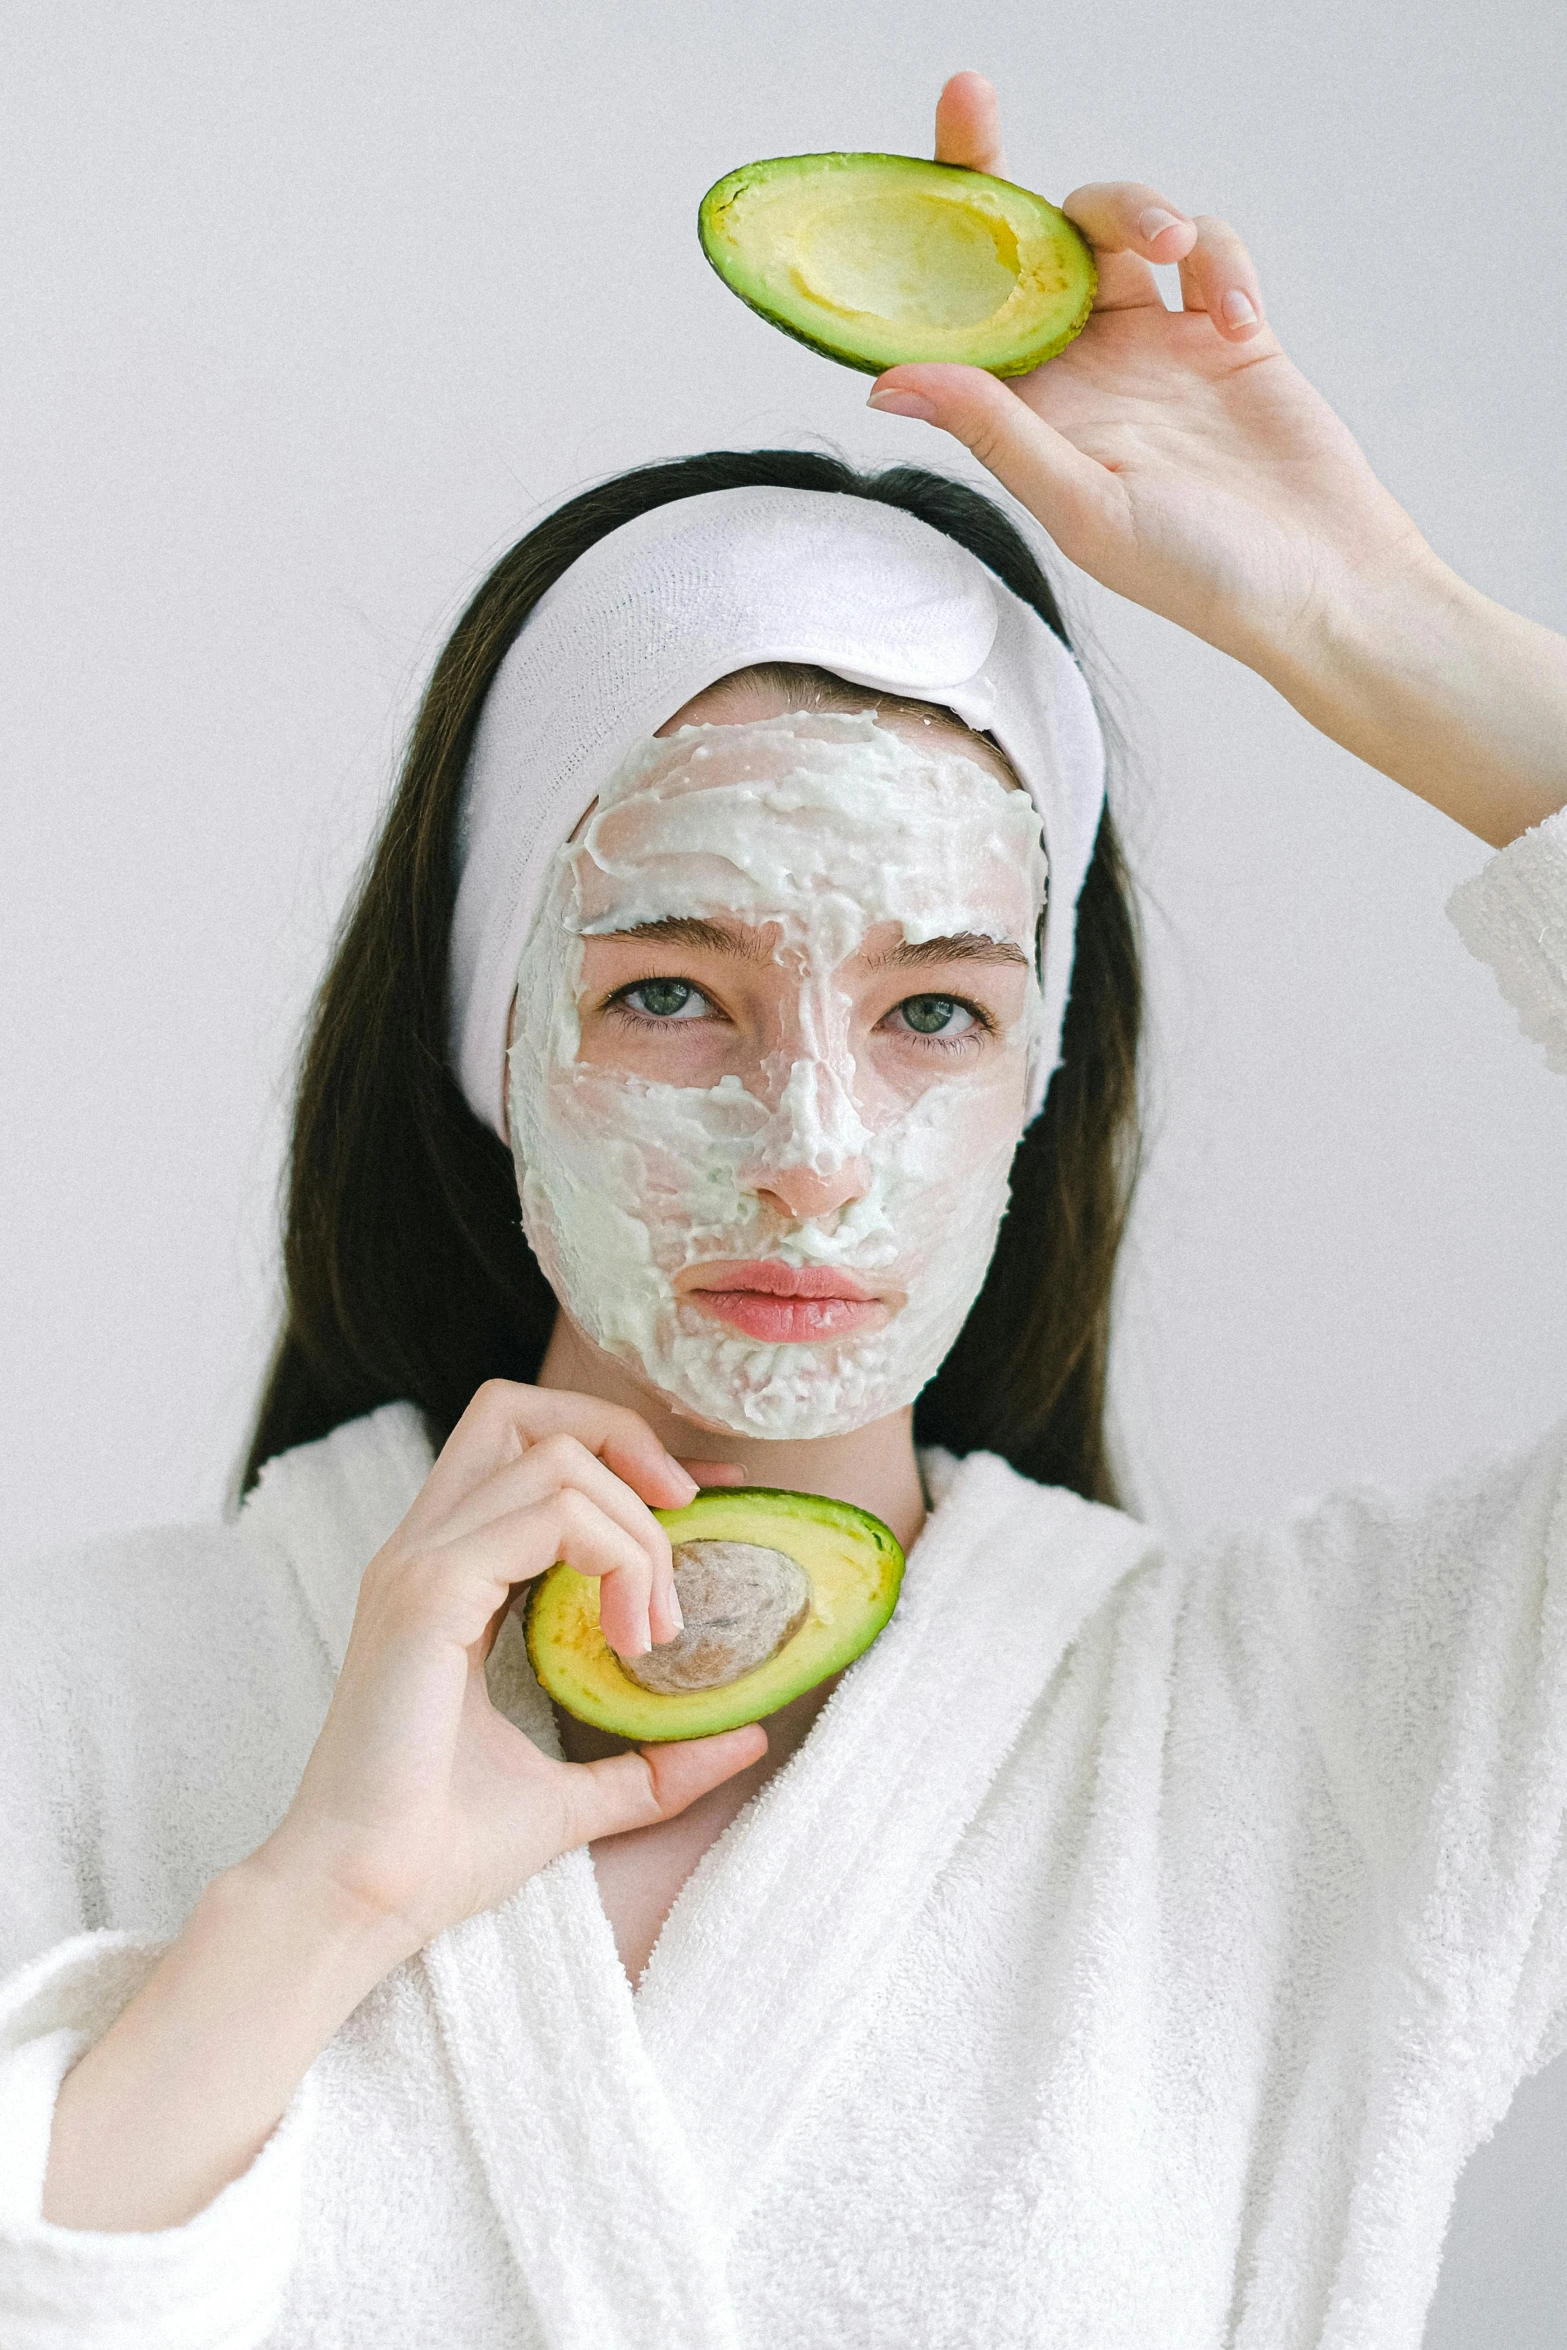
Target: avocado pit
x: 741, y: 1602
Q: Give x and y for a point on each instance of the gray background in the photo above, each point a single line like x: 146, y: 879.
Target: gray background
x: 309, y: 310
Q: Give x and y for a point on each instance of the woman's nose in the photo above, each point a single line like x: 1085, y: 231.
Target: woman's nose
x: 810, y: 1158
x: 800, y: 1192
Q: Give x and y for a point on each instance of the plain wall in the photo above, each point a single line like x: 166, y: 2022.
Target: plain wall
x: 309, y: 312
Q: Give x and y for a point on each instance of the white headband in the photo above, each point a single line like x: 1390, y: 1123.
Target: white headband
x: 698, y: 587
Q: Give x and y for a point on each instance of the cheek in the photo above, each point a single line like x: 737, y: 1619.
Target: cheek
x: 666, y: 1155
x: 951, y: 1142
x: 959, y: 1098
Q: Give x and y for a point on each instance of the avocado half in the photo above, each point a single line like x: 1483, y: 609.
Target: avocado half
x: 803, y: 1582
x: 877, y: 260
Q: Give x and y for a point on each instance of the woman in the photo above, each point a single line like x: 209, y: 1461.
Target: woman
x: 1137, y: 1944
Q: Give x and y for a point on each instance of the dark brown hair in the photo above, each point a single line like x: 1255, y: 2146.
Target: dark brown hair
x: 406, y: 1273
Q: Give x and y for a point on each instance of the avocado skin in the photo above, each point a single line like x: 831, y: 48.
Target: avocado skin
x: 851, y: 1558
x: 1023, y: 361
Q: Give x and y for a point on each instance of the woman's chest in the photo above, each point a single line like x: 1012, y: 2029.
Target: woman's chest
x: 639, y: 1876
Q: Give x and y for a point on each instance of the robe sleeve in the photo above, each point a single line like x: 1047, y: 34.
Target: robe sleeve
x: 1513, y: 915
x: 1428, y: 1641
x: 216, y: 2283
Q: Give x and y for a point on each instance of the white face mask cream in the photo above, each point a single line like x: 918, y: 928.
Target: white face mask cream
x: 819, y: 827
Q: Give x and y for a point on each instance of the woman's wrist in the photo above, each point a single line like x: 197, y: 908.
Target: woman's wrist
x: 183, y: 2090
x: 347, y: 1943
x: 1423, y: 677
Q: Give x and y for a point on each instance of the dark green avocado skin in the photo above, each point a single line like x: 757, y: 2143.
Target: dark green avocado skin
x: 817, y: 1508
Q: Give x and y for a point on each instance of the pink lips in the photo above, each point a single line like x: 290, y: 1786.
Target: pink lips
x: 779, y: 1303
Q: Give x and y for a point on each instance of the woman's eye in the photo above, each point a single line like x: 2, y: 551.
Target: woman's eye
x: 666, y: 999
x: 935, y: 1015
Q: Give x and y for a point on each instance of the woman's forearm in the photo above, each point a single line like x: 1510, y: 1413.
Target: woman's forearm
x: 1422, y: 676
x: 187, y: 2085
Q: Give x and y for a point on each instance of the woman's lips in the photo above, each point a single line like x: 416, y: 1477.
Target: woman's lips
x: 781, y: 1303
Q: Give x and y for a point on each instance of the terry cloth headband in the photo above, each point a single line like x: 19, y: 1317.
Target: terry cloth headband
x: 671, y: 602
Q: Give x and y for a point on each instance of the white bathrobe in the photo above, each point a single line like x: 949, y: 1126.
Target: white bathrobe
x: 1131, y: 1956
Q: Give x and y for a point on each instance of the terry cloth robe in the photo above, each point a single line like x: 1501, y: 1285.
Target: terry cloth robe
x: 1132, y: 1954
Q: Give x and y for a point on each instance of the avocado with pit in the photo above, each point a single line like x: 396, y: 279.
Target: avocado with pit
x: 878, y: 260
x: 778, y: 1591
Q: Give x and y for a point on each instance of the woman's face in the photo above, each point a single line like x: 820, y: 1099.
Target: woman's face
x: 770, y: 1058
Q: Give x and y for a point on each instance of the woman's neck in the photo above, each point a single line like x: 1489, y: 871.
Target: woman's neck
x: 873, y: 1467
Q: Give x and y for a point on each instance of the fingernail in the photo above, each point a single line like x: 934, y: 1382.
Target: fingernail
x: 903, y: 404
x: 1237, y: 309
x: 675, y: 1616
x: 1155, y: 221
x: 685, y: 1477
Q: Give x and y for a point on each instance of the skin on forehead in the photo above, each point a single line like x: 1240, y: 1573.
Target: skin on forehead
x: 859, y: 831
x: 751, y: 693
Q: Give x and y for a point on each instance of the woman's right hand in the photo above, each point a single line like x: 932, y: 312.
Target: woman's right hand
x: 420, y: 1803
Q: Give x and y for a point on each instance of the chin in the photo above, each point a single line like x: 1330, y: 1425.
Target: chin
x: 777, y: 1394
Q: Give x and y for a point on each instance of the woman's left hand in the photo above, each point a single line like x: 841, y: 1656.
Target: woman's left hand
x: 1180, y: 459
x: 1176, y: 455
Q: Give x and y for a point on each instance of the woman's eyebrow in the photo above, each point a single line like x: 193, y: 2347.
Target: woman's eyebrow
x: 734, y: 938
x: 966, y: 947
x: 687, y: 930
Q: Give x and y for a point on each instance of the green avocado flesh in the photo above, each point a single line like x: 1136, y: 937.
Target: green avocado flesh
x: 876, y: 260
x: 820, y: 1577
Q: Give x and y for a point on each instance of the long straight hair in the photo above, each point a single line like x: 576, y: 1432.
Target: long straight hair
x: 406, y: 1272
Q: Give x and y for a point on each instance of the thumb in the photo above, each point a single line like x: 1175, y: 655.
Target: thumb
x: 637, y: 1790
x: 1077, y: 499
